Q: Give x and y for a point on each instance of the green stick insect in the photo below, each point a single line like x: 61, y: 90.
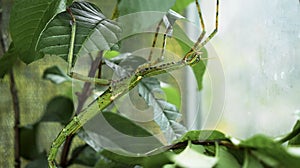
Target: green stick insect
x: 116, y: 88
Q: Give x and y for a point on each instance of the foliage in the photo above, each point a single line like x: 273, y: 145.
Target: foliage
x: 43, y: 28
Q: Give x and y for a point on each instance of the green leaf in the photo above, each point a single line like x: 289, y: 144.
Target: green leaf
x: 193, y: 158
x: 296, y: 139
x: 125, y: 125
x: 133, y: 6
x: 28, y: 142
x: 7, y: 60
x: 157, y: 160
x: 85, y: 155
x: 186, y: 44
x: 166, y: 115
x: 226, y: 159
x: 94, y: 32
x: 180, y: 5
x: 202, y: 135
x: 106, y: 163
x: 59, y: 109
x: 138, y: 16
x: 173, y: 96
x: 169, y: 166
x: 55, y: 75
x: 40, y: 162
x: 270, y: 152
x: 250, y: 161
x: 28, y: 20
x: 120, y: 132
x: 199, y: 69
x: 294, y: 150
x: 111, y: 54
x: 122, y: 159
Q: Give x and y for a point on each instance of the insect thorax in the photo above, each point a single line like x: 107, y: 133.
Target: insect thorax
x: 121, y: 85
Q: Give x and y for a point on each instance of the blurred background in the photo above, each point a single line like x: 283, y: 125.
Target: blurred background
x: 258, y: 46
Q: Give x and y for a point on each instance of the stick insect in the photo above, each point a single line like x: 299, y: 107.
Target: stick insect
x: 116, y: 88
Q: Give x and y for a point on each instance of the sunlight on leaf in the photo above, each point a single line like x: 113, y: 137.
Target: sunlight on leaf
x: 181, y: 5
x: 55, y: 75
x: 193, y: 159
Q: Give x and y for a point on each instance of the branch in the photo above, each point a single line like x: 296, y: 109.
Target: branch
x: 291, y: 135
x: 82, y: 97
x: 16, y: 106
x: 13, y: 88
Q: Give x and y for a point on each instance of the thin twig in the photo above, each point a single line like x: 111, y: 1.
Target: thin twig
x: 76, y: 154
x: 16, y: 106
x: 15, y: 99
x: 291, y: 135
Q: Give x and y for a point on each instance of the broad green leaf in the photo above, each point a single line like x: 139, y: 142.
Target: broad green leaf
x: 158, y: 160
x: 28, y: 142
x: 250, y: 161
x: 85, y: 155
x: 202, y: 135
x: 7, y: 60
x: 193, y: 159
x: 125, y: 125
x: 119, y: 132
x: 173, y: 96
x: 180, y: 5
x: 94, y: 32
x: 28, y: 20
x: 40, y: 162
x: 226, y: 159
x: 55, y: 75
x: 270, y: 152
x: 296, y: 139
x: 166, y: 115
x: 107, y: 7
x: 133, y: 6
x: 59, y: 109
x: 122, y: 159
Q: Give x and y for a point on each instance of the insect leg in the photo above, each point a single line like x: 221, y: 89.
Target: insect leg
x: 214, y: 31
x: 155, y: 39
x: 202, y: 33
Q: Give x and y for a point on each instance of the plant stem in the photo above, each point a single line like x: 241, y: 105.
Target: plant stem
x: 16, y: 106
x: 82, y: 97
x: 13, y: 89
x: 292, y: 134
x: 65, y: 152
